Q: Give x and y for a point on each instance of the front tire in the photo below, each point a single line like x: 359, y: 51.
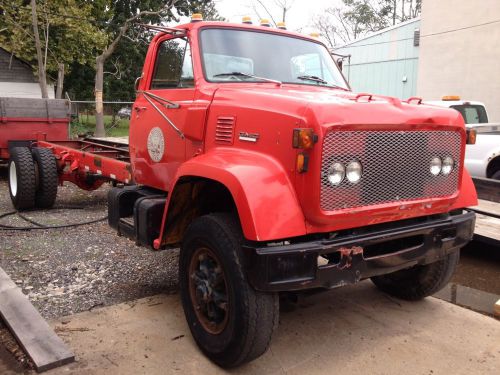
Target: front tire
x: 22, y: 181
x: 496, y: 175
x: 230, y: 321
x: 419, y: 282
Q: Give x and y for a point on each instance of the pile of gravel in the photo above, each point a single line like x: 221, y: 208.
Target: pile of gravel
x: 65, y: 271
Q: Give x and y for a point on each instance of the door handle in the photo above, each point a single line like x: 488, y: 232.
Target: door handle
x: 138, y: 109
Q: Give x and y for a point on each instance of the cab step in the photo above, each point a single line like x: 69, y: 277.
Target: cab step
x: 136, y: 213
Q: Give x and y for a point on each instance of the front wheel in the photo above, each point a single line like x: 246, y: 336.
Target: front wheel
x: 419, y: 281
x: 230, y: 321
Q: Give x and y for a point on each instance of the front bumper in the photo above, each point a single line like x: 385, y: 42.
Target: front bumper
x: 351, y: 257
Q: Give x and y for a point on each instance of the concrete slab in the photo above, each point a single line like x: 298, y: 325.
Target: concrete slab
x: 352, y: 330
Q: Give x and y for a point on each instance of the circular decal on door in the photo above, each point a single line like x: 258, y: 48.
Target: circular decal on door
x: 156, y: 144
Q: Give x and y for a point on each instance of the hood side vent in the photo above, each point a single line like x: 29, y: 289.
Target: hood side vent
x: 224, y: 130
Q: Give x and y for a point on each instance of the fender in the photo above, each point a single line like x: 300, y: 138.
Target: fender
x: 267, y: 205
x: 467, y: 196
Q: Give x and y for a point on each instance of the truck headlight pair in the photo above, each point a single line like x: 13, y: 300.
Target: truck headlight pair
x: 443, y: 166
x: 338, y: 172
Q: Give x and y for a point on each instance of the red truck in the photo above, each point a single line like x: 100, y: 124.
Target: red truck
x: 249, y: 151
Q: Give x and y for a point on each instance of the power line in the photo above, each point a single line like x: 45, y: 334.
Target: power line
x: 461, y: 28
x: 421, y: 36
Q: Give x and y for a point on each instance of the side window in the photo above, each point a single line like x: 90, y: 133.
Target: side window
x: 187, y: 75
x: 173, y: 65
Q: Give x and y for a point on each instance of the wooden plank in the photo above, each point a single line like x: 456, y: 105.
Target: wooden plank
x: 34, y: 108
x: 487, y: 229
x: 487, y: 208
x: 487, y: 188
x: 32, y: 332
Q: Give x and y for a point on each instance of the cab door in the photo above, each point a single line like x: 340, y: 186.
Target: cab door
x: 160, y: 114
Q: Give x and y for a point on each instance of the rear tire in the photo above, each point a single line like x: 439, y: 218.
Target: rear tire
x: 419, y: 281
x: 22, y: 181
x: 230, y: 321
x: 46, y: 193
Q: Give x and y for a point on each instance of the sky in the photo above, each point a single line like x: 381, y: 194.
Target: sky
x: 298, y: 17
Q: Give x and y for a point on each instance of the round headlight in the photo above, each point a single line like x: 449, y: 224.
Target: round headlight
x: 353, y: 171
x: 336, y: 173
x: 447, y: 167
x: 435, y: 166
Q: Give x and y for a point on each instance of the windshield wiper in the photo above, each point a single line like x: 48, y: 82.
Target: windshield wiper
x: 241, y: 74
x: 313, y: 78
x: 322, y: 81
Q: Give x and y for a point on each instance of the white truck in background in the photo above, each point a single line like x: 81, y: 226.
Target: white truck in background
x: 483, y: 158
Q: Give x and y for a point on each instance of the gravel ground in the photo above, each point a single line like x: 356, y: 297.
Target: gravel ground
x: 65, y: 271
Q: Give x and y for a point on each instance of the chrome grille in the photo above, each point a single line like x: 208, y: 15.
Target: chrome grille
x: 395, y: 166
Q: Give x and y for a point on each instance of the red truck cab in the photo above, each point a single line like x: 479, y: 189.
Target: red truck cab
x: 250, y: 151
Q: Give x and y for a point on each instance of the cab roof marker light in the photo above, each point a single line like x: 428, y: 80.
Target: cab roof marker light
x: 450, y: 97
x: 265, y: 22
x: 247, y: 20
x: 314, y: 35
x: 196, y: 17
x: 281, y: 25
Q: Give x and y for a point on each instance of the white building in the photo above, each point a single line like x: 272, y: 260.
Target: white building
x: 17, y: 78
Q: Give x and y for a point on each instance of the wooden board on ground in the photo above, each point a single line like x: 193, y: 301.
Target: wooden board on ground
x: 487, y: 229
x: 488, y: 208
x: 35, y: 336
x: 487, y: 188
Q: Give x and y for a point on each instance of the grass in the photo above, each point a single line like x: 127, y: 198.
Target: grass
x: 86, y: 124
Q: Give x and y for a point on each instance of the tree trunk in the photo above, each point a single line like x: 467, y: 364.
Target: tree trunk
x: 60, y: 81
x: 41, y: 69
x: 99, y: 84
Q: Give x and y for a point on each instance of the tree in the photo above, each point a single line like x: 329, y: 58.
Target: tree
x: 355, y: 18
x: 120, y: 16
x: 41, y: 65
x: 66, y: 32
x: 276, y: 10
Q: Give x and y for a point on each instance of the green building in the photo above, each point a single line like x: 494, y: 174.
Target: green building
x: 385, y: 62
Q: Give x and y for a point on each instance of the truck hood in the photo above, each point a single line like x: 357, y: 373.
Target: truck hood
x: 323, y: 107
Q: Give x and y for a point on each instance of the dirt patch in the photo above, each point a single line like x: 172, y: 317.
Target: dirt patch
x: 65, y: 271
x: 12, y: 357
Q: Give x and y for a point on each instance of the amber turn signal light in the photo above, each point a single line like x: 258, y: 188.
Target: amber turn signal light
x: 302, y: 163
x: 304, y: 138
x: 471, y: 136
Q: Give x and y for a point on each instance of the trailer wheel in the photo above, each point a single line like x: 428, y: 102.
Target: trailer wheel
x: 22, y: 182
x: 45, y: 163
x: 230, y: 321
x: 419, y: 282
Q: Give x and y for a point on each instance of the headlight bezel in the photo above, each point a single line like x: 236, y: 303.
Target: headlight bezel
x: 354, y: 164
x: 334, y: 169
x: 436, y: 161
x: 445, y: 163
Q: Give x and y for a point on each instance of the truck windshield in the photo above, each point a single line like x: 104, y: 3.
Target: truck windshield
x: 472, y: 114
x: 254, y: 56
